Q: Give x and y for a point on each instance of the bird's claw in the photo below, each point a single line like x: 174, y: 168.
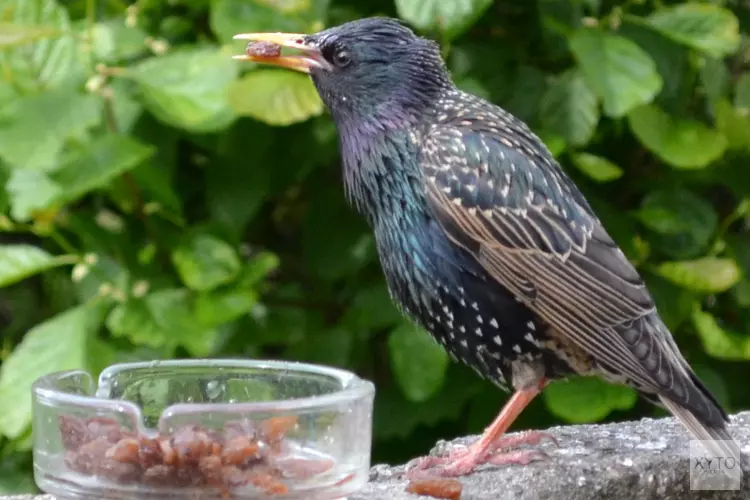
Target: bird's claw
x: 461, y: 460
x: 465, y: 462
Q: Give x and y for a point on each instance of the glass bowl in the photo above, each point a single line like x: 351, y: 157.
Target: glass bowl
x: 205, y: 429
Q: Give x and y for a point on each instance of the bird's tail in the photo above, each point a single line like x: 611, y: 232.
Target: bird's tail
x: 694, y: 406
x: 713, y: 434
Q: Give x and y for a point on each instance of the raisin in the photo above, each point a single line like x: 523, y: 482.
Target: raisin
x: 237, y: 428
x: 150, y: 452
x: 275, y: 429
x: 94, y: 450
x: 119, y: 472
x: 160, y: 475
x: 211, y: 468
x: 191, y: 443
x: 263, y: 49
x: 168, y: 454
x: 233, y: 476
x: 267, y: 482
x: 239, y: 451
x: 73, y: 432
x: 103, y: 427
x: 126, y: 450
x: 449, y: 489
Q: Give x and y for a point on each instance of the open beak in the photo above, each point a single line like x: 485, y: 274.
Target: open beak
x: 308, y: 58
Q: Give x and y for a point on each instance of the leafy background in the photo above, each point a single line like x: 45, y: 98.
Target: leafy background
x: 160, y: 200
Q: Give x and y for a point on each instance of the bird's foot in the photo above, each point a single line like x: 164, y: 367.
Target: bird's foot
x: 462, y: 460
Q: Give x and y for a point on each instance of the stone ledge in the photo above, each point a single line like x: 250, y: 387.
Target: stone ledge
x: 640, y: 460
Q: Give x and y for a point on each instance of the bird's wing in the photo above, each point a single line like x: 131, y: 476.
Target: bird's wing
x: 497, y: 191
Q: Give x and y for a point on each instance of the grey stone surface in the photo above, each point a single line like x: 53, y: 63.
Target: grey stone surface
x: 643, y: 460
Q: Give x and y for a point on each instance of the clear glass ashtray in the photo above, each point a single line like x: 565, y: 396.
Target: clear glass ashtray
x: 205, y: 429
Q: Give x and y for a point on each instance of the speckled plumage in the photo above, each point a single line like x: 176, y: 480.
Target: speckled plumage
x: 483, y: 239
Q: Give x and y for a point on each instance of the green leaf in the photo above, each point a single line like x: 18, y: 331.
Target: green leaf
x: 116, y: 41
x: 126, y: 110
x: 276, y: 97
x: 569, y: 108
x: 12, y: 35
x: 616, y: 69
x: 742, y: 92
x: 331, y: 347
x: 187, y: 88
x: 16, y: 473
x: 337, y: 250
x: 707, y: 28
x: 473, y: 86
x: 734, y: 124
x: 681, y: 143
x: 451, y: 17
x: 715, y: 382
x: 7, y: 93
x: 205, y: 262
x: 739, y: 247
x: 157, y: 186
x: 419, y: 364
x: 372, y: 309
x: 673, y: 61
x: 396, y: 417
x: 101, y: 161
x: 30, y: 191
x: 222, y: 306
x: 715, y: 78
x: 54, y: 345
x: 18, y: 262
x: 34, y: 129
x: 587, y: 399
x: 526, y: 93
x: 674, y: 303
x: 164, y: 318
x: 706, y: 275
x: 598, y: 168
x: 259, y: 267
x: 229, y: 17
x: 718, y: 342
x: 136, y: 321
x: 622, y: 227
x: 555, y: 144
x: 45, y: 63
x: 683, y: 222
x: 93, y: 167
x: 239, y: 181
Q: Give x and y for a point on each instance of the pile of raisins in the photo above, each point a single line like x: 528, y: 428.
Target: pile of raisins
x: 243, y: 453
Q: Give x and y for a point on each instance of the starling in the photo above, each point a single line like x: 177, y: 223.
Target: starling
x: 483, y: 239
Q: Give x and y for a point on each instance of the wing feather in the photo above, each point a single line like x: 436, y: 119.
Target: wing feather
x: 531, y: 229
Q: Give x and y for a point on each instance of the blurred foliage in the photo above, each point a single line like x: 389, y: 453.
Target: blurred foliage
x: 160, y: 200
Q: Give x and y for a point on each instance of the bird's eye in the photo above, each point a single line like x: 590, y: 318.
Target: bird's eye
x: 341, y: 58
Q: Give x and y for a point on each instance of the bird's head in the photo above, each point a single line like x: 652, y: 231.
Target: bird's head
x: 373, y: 70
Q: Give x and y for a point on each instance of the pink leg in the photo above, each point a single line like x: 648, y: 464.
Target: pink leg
x: 491, y: 447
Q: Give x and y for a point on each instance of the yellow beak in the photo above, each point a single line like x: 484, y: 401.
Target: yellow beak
x: 308, y: 59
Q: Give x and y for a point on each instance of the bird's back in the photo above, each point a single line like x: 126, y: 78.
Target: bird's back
x: 498, y: 193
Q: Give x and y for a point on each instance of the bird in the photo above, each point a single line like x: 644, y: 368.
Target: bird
x: 484, y: 240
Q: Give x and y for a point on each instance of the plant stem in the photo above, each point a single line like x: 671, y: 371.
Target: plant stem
x: 64, y: 243
x: 742, y: 209
x: 90, y: 22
